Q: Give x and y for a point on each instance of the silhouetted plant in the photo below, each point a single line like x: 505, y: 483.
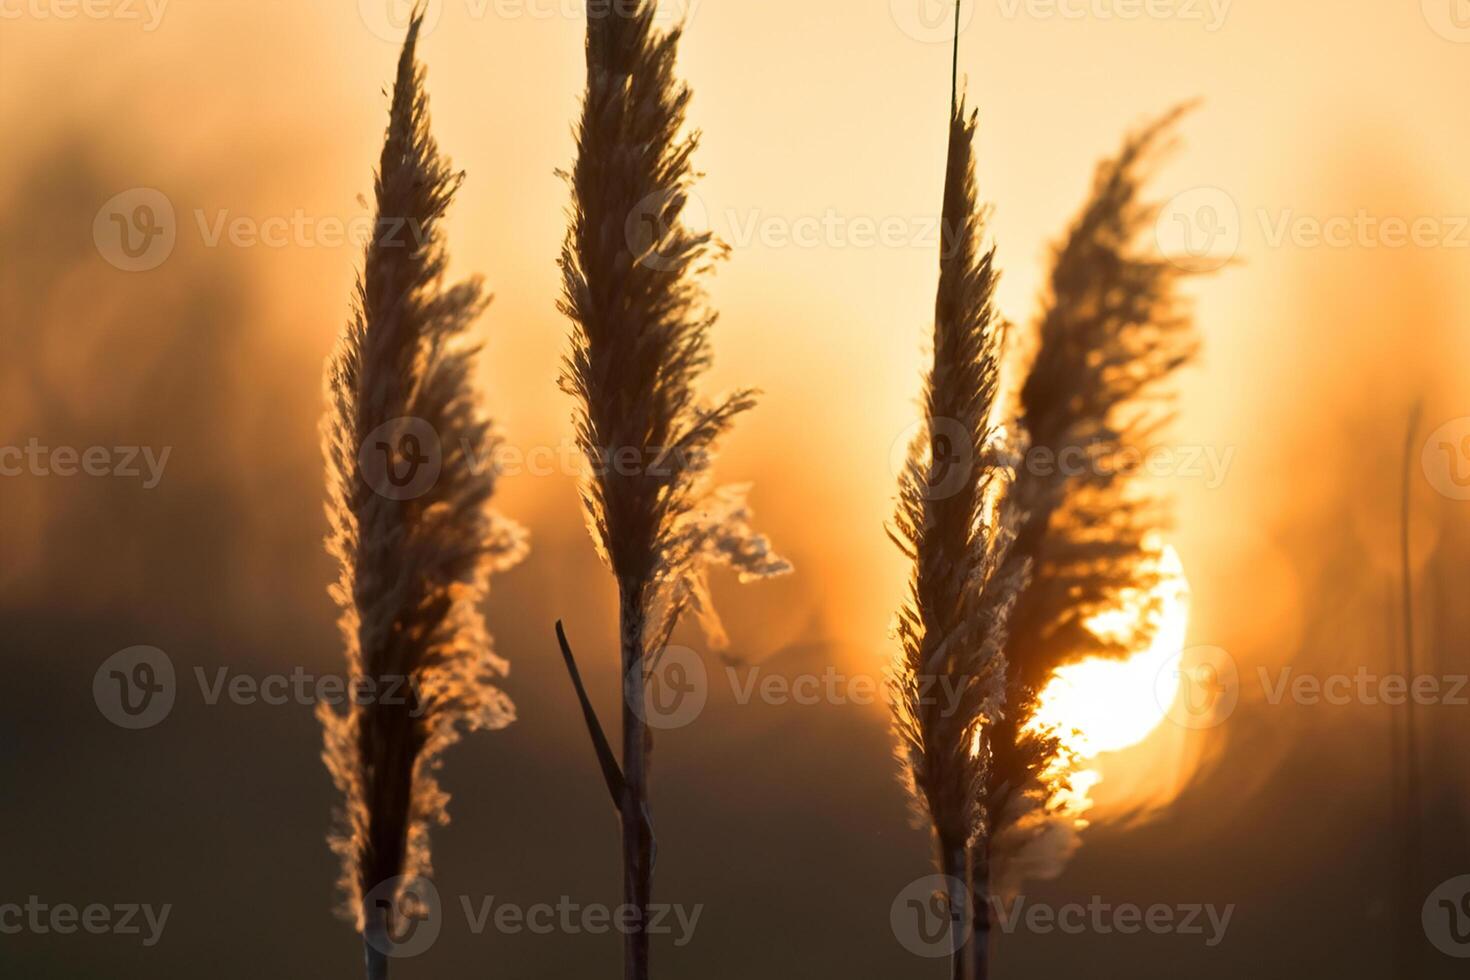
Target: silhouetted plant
x: 415, y: 561
x: 1112, y: 331
x: 640, y: 341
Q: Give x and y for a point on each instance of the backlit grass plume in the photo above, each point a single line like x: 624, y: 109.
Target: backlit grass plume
x: 956, y: 524
x: 415, y: 550
x: 1112, y: 331
x: 640, y: 341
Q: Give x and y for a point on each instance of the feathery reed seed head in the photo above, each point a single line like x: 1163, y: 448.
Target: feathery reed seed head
x: 413, y: 571
x: 640, y: 336
x: 1112, y: 331
x: 956, y: 523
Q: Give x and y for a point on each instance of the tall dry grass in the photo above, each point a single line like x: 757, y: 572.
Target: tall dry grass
x: 640, y: 342
x: 1012, y: 564
x: 414, y: 561
x: 956, y: 523
x: 1112, y: 332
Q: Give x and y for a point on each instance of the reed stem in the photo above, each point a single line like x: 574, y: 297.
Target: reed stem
x: 955, y: 861
x: 374, y: 943
x: 637, y: 839
x: 980, y: 935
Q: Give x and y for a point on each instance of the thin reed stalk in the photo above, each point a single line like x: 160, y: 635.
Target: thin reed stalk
x: 414, y: 552
x: 640, y: 342
x: 955, y: 524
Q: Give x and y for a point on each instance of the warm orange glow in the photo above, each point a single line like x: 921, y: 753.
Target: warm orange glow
x: 1101, y: 705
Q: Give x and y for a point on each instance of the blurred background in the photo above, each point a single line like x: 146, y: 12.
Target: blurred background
x: 249, y: 130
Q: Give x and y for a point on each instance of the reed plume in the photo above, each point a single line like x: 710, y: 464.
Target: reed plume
x: 1112, y: 331
x: 414, y: 560
x: 956, y: 523
x: 640, y: 341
